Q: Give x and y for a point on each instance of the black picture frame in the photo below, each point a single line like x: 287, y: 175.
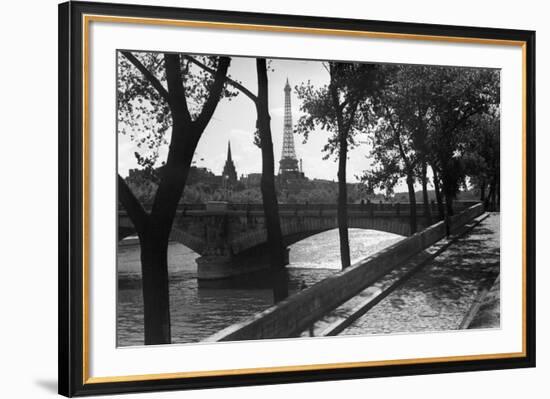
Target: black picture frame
x: 71, y: 196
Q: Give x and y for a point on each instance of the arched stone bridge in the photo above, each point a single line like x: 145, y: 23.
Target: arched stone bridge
x: 231, y: 238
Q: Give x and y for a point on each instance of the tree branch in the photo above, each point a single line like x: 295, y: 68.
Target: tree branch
x: 343, y: 105
x: 336, y: 104
x: 147, y: 74
x: 230, y: 81
x: 397, y: 132
x: 215, y: 93
x: 177, y: 96
x: 467, y: 116
x: 135, y: 211
x: 351, y: 115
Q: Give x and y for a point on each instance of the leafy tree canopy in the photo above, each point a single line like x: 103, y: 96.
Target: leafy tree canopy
x: 144, y: 112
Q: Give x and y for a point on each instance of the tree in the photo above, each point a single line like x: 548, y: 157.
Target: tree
x: 341, y: 107
x: 425, y: 114
x: 156, y: 94
x: 482, y: 156
x: 399, y: 140
x: 264, y: 140
x: 457, y: 95
x: 392, y: 145
x: 413, y: 87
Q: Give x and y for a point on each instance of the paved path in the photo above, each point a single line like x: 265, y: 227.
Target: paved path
x: 440, y: 295
x: 488, y: 313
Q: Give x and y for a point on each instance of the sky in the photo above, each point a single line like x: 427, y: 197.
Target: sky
x: 235, y: 121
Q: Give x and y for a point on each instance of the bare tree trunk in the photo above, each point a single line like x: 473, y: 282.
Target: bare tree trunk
x: 491, y: 197
x: 487, y: 202
x: 425, y: 199
x: 280, y: 285
x: 449, y: 205
x: 438, y: 197
x: 154, y: 243
x: 154, y: 270
x: 497, y: 193
x: 412, y: 202
x: 445, y: 210
x: 154, y: 258
x: 342, y: 206
x: 269, y: 194
x: 156, y: 298
x: 343, y: 202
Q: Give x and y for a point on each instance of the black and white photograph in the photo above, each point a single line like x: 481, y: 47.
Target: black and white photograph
x: 263, y: 198
x: 272, y: 200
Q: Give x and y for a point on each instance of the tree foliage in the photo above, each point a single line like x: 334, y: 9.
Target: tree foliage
x: 143, y: 108
x: 431, y: 115
x: 457, y: 95
x: 482, y: 156
x: 341, y: 107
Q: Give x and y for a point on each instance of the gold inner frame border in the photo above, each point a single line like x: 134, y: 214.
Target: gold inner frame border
x: 88, y: 18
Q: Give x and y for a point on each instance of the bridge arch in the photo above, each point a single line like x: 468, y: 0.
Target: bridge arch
x: 299, y: 228
x: 125, y: 231
x: 177, y: 235
x: 190, y: 241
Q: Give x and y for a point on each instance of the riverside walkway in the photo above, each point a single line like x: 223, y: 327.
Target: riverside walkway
x: 442, y: 293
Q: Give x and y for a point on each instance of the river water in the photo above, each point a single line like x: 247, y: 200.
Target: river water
x: 197, y: 313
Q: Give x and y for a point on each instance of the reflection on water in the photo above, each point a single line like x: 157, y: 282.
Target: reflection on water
x: 197, y: 312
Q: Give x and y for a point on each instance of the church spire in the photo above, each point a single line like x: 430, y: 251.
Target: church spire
x: 229, y: 151
x: 229, y: 170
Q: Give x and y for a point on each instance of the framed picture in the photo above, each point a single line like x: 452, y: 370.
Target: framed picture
x: 257, y: 199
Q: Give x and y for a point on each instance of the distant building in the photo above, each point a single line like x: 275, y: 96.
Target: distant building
x: 146, y: 174
x: 229, y: 171
x: 201, y: 175
x: 252, y: 180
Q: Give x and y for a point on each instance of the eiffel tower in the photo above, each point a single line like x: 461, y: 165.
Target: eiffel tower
x: 288, y: 165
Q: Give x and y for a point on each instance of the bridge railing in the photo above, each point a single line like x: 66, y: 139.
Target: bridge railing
x: 357, y: 207
x: 394, y: 207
